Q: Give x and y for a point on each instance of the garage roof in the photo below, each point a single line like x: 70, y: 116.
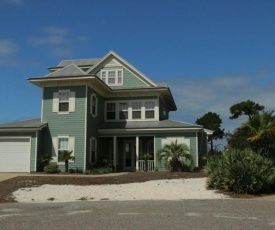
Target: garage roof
x: 32, y: 124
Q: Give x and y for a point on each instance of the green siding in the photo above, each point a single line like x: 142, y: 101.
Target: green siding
x: 33, y: 137
x: 72, y: 124
x: 161, y: 164
x: 129, y: 79
x: 93, y: 122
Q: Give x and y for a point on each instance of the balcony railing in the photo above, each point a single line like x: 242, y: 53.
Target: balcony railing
x: 142, y: 166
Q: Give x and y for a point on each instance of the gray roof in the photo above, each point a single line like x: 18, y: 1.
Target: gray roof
x: 70, y: 70
x: 80, y: 62
x: 147, y: 125
x: 26, y: 124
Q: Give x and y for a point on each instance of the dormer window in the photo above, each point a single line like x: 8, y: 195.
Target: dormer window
x: 112, y: 77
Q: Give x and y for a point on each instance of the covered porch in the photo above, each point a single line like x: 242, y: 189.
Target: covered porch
x: 128, y: 153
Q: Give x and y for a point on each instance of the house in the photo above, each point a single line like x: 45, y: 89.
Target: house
x: 98, y: 108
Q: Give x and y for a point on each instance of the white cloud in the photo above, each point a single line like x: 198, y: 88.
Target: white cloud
x: 7, y: 47
x: 7, y: 50
x: 52, y: 36
x: 12, y: 2
x: 58, y: 40
x: 196, y: 96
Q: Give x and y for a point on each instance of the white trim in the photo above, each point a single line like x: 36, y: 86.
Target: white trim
x: 91, y: 105
x: 85, y: 130
x: 137, y: 153
x: 197, y: 150
x: 125, y: 65
x: 42, y: 105
x: 36, y: 149
x: 116, y: 70
x: 155, y: 154
x: 130, y: 110
x: 148, y: 130
x: 95, y: 150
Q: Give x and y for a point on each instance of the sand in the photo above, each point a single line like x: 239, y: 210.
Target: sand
x: 176, y: 189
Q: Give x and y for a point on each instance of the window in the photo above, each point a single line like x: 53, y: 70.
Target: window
x: 63, y: 145
x: 111, y: 111
x: 136, y: 110
x: 112, y: 77
x: 149, y: 109
x: 63, y: 102
x: 123, y: 111
x: 93, y: 105
x: 93, y: 147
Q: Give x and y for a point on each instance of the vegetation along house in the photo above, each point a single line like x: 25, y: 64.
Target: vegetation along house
x: 98, y: 108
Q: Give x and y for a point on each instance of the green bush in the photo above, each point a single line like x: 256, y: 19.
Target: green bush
x: 102, y: 170
x: 51, y: 168
x: 240, y: 171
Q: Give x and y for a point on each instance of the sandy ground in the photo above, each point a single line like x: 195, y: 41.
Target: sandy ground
x: 175, y: 189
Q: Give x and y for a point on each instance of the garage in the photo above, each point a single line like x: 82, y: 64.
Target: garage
x: 15, y: 154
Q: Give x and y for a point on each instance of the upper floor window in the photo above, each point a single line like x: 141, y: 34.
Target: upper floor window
x: 123, y: 111
x: 93, y: 105
x: 136, y: 110
x: 112, y: 77
x: 111, y: 111
x: 63, y: 101
x: 150, y: 109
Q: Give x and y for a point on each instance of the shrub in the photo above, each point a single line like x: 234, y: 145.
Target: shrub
x: 102, y: 170
x: 51, y: 168
x: 240, y: 171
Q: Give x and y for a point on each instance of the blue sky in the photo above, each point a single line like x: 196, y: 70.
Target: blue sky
x: 212, y: 54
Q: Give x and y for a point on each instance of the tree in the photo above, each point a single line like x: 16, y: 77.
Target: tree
x: 66, y: 157
x: 174, y: 154
x: 44, y: 159
x: 248, y: 108
x: 261, y: 132
x: 213, y: 122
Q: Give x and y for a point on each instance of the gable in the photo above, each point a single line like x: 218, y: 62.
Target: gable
x: 133, y: 77
x: 130, y: 80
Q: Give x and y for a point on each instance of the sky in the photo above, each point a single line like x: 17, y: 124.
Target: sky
x: 212, y: 54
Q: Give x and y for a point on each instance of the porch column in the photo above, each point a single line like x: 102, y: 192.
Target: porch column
x: 115, y: 153
x: 137, y: 153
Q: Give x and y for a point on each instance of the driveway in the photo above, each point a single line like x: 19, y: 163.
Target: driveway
x: 6, y: 176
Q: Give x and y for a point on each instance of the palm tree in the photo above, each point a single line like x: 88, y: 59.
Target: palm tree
x: 174, y: 154
x: 45, y: 159
x: 65, y: 155
x: 261, y: 130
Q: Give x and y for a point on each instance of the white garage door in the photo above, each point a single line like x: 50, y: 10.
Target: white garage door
x: 15, y: 155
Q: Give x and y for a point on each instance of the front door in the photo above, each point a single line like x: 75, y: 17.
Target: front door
x: 129, y: 155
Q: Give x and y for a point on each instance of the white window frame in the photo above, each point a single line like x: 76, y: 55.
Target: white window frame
x: 130, y: 110
x: 150, y: 109
x: 93, y: 104
x: 115, y: 111
x: 118, y: 79
x: 71, y: 147
x: 56, y: 102
x: 93, y: 150
x: 136, y: 110
x: 123, y: 110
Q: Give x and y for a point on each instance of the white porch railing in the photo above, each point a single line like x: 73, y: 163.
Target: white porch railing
x: 150, y: 165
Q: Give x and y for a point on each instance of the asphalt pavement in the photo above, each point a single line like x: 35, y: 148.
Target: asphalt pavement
x: 185, y: 214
